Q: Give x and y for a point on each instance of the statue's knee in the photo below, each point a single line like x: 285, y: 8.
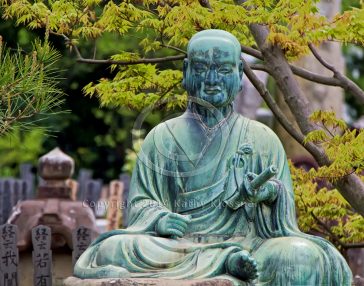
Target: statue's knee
x: 301, y: 251
x: 297, y: 261
x: 290, y: 248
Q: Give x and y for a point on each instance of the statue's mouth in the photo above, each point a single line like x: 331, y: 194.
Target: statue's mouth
x: 212, y: 90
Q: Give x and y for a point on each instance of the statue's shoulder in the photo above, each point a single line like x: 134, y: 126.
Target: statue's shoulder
x: 164, y: 133
x: 258, y: 131
x: 170, y: 127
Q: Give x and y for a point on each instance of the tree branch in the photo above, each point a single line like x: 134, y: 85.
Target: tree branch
x: 328, y: 230
x: 321, y: 60
x: 334, y: 236
x: 283, y: 75
x: 281, y: 117
x: 173, y: 48
x: 81, y: 59
x: 132, y: 62
x: 351, y: 187
x: 253, y: 52
x: 258, y: 67
x: 301, y: 72
x: 247, y: 50
x: 345, y: 82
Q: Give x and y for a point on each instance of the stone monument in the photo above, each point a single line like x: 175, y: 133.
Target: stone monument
x: 211, y: 195
x: 53, y: 205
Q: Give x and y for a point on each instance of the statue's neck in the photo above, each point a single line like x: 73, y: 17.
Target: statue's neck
x: 211, y: 116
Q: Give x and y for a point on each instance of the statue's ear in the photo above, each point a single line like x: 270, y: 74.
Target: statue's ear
x: 185, y: 67
x: 241, y: 74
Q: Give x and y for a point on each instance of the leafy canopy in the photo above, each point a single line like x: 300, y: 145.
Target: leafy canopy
x: 166, y: 26
x: 321, y: 208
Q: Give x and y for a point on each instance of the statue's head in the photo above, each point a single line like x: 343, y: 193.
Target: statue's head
x: 213, y: 69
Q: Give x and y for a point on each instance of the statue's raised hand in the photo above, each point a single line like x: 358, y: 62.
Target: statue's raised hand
x: 265, y: 193
x: 172, y: 224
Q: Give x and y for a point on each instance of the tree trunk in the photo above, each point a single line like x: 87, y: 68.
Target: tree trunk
x: 321, y: 97
x: 351, y: 187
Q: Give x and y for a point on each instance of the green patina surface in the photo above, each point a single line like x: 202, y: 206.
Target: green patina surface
x: 198, y: 210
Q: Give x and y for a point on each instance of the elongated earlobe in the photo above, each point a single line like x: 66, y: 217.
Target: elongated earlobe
x: 241, y: 75
x: 241, y: 70
x: 185, y: 67
x: 241, y: 86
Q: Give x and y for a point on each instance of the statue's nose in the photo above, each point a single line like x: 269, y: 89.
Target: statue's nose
x: 211, y: 77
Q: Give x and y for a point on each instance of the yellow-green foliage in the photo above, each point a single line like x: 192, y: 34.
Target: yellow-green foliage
x: 168, y: 25
x: 18, y: 147
x: 319, y: 206
x: 164, y: 27
x: 344, y: 147
x: 132, y: 154
x: 138, y: 86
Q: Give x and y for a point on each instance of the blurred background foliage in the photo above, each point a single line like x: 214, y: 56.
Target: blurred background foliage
x: 96, y: 137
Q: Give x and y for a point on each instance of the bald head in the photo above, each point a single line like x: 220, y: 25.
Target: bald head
x: 213, y: 69
x: 214, y: 38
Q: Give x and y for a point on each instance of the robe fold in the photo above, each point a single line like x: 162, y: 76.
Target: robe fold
x: 187, y: 168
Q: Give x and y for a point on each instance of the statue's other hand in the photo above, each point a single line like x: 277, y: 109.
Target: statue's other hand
x: 266, y: 193
x: 173, y: 224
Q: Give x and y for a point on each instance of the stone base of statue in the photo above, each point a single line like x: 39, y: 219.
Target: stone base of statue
x: 73, y: 281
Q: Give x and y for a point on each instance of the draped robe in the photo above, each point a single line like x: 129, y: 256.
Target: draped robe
x: 187, y: 168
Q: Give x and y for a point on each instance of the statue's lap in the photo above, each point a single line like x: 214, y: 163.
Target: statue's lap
x: 281, y: 250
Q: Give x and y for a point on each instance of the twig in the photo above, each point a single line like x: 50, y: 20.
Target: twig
x: 283, y: 120
x: 132, y: 62
x: 329, y: 232
x: 301, y: 72
x: 173, y: 48
x: 345, y: 82
x: 251, y: 51
x: 81, y: 59
x: 335, y: 237
x: 327, y: 229
x: 260, y: 67
x: 9, y: 120
x: 321, y: 60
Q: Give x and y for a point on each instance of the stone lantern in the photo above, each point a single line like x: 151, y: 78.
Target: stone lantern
x: 55, y: 168
x: 55, y: 204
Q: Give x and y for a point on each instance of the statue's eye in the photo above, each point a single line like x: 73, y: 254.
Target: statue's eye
x: 225, y: 69
x: 200, y: 68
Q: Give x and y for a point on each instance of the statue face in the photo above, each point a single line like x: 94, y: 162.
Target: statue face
x: 213, y: 71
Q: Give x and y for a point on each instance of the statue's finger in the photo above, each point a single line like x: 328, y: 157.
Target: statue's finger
x: 179, y: 222
x: 178, y: 227
x: 175, y: 232
x: 184, y: 218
